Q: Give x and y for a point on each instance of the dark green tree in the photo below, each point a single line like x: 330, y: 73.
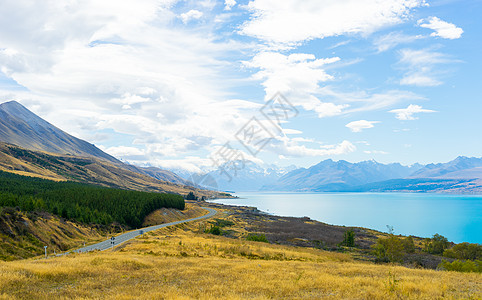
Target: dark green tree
x: 348, y: 239
x: 437, y: 244
x: 191, y: 196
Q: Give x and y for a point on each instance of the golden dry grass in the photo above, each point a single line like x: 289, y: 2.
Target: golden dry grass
x: 167, y: 215
x: 176, y: 263
x: 32, y: 234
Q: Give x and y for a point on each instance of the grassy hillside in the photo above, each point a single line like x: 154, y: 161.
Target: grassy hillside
x: 24, y: 235
x: 183, y: 263
x: 87, y: 170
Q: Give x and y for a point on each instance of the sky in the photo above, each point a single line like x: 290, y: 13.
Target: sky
x: 181, y: 84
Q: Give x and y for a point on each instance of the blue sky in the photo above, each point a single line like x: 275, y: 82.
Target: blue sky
x: 170, y: 83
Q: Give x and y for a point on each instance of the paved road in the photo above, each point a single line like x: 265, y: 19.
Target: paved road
x: 132, y: 234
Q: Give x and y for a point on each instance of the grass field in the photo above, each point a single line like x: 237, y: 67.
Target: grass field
x: 182, y: 263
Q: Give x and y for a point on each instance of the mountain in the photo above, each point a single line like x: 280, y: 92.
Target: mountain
x: 462, y: 175
x: 249, y: 176
x: 21, y: 127
x: 460, y: 168
x: 330, y: 175
x: 60, y: 167
x: 423, y: 185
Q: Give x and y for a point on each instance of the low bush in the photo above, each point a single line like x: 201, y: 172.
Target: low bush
x: 462, y: 266
x: 465, y: 251
x: 222, y: 223
x: 214, y: 230
x: 408, y: 245
x: 257, y: 238
x: 389, y: 249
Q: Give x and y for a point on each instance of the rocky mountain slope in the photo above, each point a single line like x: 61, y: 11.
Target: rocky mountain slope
x: 83, y: 169
x: 23, y: 128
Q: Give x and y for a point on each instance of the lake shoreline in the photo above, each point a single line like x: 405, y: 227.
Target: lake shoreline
x: 454, y: 216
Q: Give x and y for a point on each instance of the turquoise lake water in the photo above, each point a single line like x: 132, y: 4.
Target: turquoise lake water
x: 457, y: 217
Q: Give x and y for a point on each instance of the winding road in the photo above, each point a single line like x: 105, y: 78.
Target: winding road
x: 115, y: 241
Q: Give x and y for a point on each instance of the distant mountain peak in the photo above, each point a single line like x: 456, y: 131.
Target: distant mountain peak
x: 11, y: 103
x: 461, y: 167
x: 14, y: 106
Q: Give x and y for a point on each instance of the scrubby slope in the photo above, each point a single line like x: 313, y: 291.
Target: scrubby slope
x: 82, y: 169
x: 24, y: 235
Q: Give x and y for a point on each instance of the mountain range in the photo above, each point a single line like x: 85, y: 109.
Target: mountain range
x: 330, y: 175
x: 462, y: 175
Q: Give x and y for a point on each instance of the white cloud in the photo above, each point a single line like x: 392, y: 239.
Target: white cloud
x: 291, y: 131
x: 361, y: 101
x: 408, y: 113
x: 442, y: 29
x: 193, y: 14
x: 122, y: 70
x: 229, y: 4
x: 420, y: 66
x: 358, y: 126
x: 297, y: 76
x: 291, y: 21
x: 393, y: 39
x: 192, y: 164
x: 129, y: 74
x: 128, y: 153
x: 293, y: 149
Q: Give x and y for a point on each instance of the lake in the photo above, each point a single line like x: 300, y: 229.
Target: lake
x: 457, y: 217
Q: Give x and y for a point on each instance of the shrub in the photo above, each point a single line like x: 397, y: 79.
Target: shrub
x: 437, y: 244
x: 214, y: 230
x: 257, y: 238
x: 348, y: 239
x: 462, y: 266
x: 464, y: 251
x: 408, y: 244
x: 389, y: 249
x: 223, y: 223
